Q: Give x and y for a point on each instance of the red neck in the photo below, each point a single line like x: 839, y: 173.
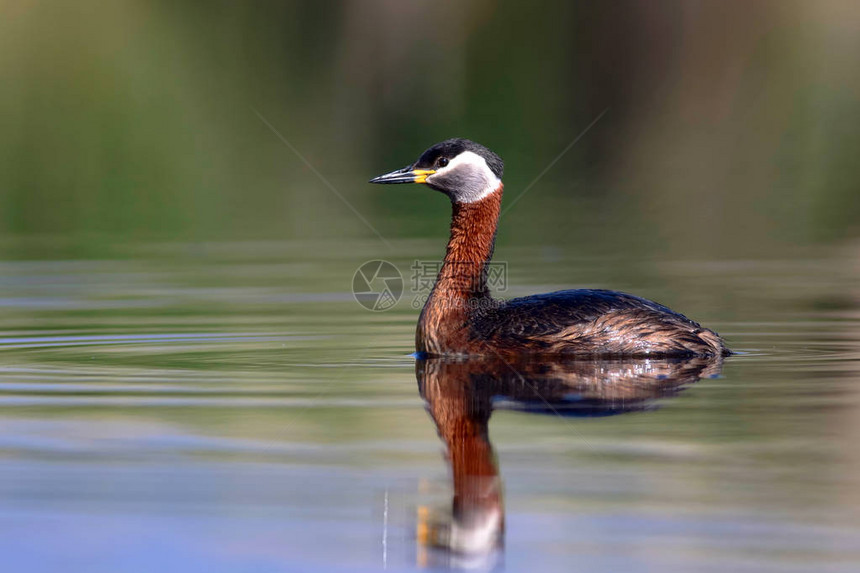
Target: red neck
x: 470, y: 248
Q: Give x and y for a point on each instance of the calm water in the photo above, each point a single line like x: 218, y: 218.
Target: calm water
x: 228, y: 407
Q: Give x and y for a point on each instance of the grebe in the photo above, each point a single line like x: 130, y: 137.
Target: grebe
x: 460, y: 316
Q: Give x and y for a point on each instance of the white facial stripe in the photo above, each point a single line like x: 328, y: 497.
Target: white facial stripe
x: 474, y: 178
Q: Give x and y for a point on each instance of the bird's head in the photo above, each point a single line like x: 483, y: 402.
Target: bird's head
x: 462, y: 169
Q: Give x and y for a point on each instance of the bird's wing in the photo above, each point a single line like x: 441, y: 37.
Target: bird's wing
x: 593, y: 321
x: 546, y: 314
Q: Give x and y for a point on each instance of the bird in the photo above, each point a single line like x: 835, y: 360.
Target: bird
x: 461, y: 318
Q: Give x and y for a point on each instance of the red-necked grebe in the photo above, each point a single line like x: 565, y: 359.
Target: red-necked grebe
x: 461, y: 318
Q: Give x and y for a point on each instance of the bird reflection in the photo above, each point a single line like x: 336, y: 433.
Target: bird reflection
x: 461, y: 396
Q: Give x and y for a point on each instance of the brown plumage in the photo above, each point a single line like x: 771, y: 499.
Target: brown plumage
x: 444, y: 326
x: 461, y: 318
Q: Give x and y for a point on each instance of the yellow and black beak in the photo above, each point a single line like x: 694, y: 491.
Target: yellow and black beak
x: 405, y: 175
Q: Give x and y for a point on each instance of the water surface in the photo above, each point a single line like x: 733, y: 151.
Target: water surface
x: 230, y: 407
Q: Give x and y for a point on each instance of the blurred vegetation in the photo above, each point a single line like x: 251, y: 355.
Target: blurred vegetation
x: 731, y: 125
x: 130, y: 130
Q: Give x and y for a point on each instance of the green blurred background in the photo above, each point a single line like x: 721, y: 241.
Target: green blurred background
x: 181, y: 349
x: 732, y: 127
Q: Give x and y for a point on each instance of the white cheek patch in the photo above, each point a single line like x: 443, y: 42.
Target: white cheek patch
x: 468, y: 177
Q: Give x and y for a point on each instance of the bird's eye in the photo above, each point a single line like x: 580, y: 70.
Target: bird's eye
x: 442, y: 162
